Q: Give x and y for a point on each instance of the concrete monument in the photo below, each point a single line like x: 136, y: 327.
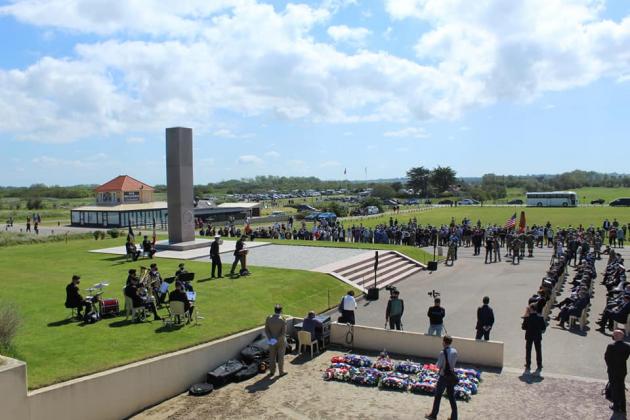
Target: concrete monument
x: 179, y: 181
x: 180, y: 196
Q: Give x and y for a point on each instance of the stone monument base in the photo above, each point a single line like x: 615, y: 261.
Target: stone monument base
x: 182, y: 246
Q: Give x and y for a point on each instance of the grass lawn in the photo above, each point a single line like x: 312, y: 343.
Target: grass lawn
x: 35, y: 276
x: 557, y: 216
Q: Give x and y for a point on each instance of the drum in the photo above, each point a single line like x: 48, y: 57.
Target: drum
x: 109, y: 307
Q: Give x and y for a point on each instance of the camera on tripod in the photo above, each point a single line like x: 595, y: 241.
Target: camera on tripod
x: 392, y: 289
x: 434, y: 294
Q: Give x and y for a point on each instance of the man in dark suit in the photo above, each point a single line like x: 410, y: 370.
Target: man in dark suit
x: 238, y: 256
x: 485, y: 320
x: 616, y: 357
x: 215, y: 256
x: 74, y: 298
x: 619, y: 314
x: 534, y: 326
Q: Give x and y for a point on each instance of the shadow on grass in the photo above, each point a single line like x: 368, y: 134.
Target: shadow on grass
x: 262, y: 384
x: 122, y: 323
x: 62, y: 322
x: 169, y: 328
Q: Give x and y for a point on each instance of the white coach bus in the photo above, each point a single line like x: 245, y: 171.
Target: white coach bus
x: 552, y: 199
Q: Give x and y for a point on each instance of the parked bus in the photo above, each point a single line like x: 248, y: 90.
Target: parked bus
x: 552, y: 199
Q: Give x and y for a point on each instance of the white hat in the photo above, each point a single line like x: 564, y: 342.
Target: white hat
x: 217, y: 236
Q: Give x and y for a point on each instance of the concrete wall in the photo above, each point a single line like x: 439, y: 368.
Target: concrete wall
x: 474, y: 352
x: 119, y: 392
x: 13, y: 403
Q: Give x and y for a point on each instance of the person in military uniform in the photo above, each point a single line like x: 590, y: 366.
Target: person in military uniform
x: 521, y: 238
x: 529, y: 239
x: 516, y: 250
x: 508, y: 244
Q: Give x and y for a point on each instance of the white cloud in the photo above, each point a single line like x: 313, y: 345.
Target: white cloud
x: 409, y: 132
x: 251, y: 59
x: 343, y: 33
x: 136, y: 140
x: 272, y: 154
x: 229, y: 134
x: 249, y: 160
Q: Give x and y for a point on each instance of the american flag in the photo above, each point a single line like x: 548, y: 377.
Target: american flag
x: 511, y: 222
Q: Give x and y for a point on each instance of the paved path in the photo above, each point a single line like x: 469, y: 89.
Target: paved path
x: 462, y: 288
x: 295, y: 257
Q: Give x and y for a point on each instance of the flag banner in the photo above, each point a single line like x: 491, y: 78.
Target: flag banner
x: 522, y: 224
x: 511, y: 222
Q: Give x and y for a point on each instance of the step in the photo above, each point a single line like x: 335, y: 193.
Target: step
x: 399, y: 271
x: 396, y: 279
x: 385, y: 270
x: 369, y: 270
x: 367, y: 263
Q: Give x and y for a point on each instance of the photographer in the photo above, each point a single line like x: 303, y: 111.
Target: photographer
x: 394, y: 311
x: 436, y: 316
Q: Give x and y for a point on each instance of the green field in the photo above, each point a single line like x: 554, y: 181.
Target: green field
x: 498, y: 215
x: 34, y: 278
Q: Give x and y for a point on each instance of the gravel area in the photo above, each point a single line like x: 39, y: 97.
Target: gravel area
x: 302, y: 394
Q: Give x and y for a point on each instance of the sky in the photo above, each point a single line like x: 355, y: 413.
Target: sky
x: 312, y: 87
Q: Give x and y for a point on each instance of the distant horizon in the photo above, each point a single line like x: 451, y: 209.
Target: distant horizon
x: 375, y: 180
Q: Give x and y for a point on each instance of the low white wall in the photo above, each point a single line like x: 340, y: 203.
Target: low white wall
x: 13, y: 403
x: 119, y: 392
x: 474, y: 352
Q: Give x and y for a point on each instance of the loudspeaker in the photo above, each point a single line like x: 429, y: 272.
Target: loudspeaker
x: 372, y: 293
x: 432, y: 265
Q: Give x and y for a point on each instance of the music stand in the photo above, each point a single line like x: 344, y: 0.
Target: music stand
x: 186, y: 277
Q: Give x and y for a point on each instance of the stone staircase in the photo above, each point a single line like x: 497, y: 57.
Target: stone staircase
x: 392, y: 267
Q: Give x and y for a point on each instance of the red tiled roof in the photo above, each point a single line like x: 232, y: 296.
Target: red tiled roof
x: 123, y: 183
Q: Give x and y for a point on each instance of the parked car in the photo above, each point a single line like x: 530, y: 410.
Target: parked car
x: 598, y: 201
x: 413, y: 201
x: 372, y: 210
x: 312, y: 216
x: 447, y: 202
x: 467, y: 202
x: 390, y: 202
x: 620, y: 202
x: 518, y: 201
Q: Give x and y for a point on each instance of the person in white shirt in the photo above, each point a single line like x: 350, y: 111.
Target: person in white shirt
x: 348, y: 305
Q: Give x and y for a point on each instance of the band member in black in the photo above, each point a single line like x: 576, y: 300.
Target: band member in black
x: 215, y: 256
x: 238, y: 255
x: 74, y: 298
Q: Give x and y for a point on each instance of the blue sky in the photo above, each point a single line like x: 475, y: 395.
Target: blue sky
x: 312, y: 87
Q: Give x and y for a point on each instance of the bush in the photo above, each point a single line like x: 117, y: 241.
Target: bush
x: 339, y: 209
x: 114, y: 233
x: 9, y: 324
x: 34, y: 204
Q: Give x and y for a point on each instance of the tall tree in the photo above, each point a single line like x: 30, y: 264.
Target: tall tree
x: 442, y: 178
x: 418, y: 179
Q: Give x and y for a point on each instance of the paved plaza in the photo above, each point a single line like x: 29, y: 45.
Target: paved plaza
x: 508, y: 286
